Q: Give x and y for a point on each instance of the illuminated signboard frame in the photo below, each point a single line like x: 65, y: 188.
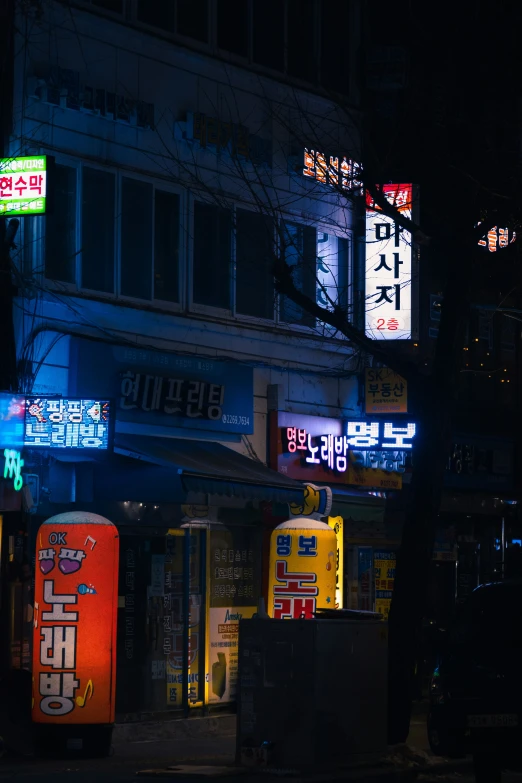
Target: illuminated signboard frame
x: 69, y: 423
x: 372, y: 459
x: 389, y: 269
x: 23, y: 185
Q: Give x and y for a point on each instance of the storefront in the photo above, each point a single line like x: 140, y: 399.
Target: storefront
x: 189, y: 511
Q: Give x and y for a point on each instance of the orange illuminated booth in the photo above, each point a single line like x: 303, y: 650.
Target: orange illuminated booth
x: 74, y: 635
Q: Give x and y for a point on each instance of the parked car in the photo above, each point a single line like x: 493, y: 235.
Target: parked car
x: 476, y: 689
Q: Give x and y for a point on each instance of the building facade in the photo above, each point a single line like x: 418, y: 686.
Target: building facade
x: 187, y: 146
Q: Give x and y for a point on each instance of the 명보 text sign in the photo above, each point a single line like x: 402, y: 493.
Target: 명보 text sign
x: 58, y: 423
x: 23, y: 185
x: 388, y: 273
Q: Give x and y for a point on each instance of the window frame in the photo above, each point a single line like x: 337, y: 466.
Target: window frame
x: 322, y: 226
x: 37, y: 255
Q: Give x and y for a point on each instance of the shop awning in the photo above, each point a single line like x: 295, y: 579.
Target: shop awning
x: 209, y: 468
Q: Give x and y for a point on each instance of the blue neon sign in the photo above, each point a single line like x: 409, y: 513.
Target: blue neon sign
x: 65, y: 423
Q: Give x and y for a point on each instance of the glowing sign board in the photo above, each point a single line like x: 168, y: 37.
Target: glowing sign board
x: 67, y: 423
x: 302, y: 578
x: 23, y: 185
x: 345, y: 174
x: 74, y: 633
x: 12, y: 410
x: 13, y: 464
x: 388, y: 274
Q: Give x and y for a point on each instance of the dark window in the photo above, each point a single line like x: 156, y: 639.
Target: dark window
x: 254, y: 261
x: 136, y: 239
x: 301, y: 26
x: 116, y: 6
x: 60, y: 228
x: 166, y: 246
x: 98, y: 230
x: 232, y: 26
x: 300, y: 255
x: 269, y: 33
x: 192, y: 18
x: 335, y: 65
x: 212, y: 243
x: 157, y: 13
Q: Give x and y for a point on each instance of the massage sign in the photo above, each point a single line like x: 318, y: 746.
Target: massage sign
x: 74, y: 635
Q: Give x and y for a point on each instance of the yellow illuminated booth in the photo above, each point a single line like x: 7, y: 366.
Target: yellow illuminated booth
x: 303, y: 556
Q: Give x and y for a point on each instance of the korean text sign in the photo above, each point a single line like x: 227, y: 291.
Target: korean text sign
x: 74, y: 634
x: 23, y: 185
x: 386, y: 392
x: 67, y: 423
x: 302, y: 574
x: 165, y: 389
x: 388, y: 273
x: 358, y: 452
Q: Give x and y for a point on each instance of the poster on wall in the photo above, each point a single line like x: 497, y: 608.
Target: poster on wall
x: 385, y: 391
x: 223, y: 657
x: 384, y: 564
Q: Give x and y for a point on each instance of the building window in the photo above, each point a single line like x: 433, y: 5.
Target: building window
x: 60, y: 228
x: 157, y: 13
x: 301, y: 26
x: 299, y: 248
x: 136, y: 239
x: 98, y: 224
x: 212, y: 255
x: 192, y: 19
x: 232, y: 26
x: 335, y: 56
x: 254, y: 262
x: 166, y: 246
x: 115, y: 6
x: 147, y: 226
x: 268, y: 33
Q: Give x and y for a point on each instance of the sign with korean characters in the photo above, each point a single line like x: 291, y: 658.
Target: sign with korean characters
x: 57, y: 423
x: 74, y: 634
x: 388, y: 273
x: 386, y: 391
x: 223, y: 658
x: 384, y: 564
x: 359, y: 452
x: 302, y: 571
x: 337, y: 525
x: 23, y: 185
x: 166, y: 389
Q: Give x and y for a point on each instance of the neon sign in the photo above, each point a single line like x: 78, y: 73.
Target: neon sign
x: 376, y: 445
x: 67, y: 423
x: 346, y: 174
x: 13, y: 464
x: 74, y: 626
x: 23, y: 185
x: 388, y: 268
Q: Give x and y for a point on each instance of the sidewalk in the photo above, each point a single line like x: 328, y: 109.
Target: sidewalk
x: 153, y: 750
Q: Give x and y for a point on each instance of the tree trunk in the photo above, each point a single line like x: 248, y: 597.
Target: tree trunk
x: 433, y: 399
